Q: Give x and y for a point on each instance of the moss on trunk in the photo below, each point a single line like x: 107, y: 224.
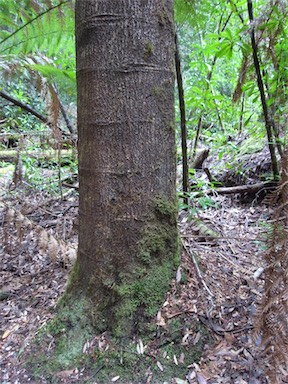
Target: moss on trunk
x: 127, y: 302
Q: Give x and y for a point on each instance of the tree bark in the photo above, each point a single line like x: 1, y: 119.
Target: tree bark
x: 127, y: 210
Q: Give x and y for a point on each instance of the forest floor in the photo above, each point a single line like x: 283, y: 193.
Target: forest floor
x: 204, y: 330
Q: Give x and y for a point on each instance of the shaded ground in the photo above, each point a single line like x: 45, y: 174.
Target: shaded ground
x: 209, y: 308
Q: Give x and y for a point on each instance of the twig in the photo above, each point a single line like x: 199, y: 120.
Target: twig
x: 197, y: 269
x: 225, y: 237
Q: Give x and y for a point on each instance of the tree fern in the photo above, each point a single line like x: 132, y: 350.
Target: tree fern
x: 27, y: 31
x: 37, y: 42
x: 43, y: 29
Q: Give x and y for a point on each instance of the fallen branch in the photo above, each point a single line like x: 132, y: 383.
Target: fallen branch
x: 11, y: 155
x: 23, y: 106
x: 250, y: 189
x: 32, y: 111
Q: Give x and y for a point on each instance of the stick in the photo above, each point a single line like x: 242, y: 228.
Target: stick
x: 197, y: 269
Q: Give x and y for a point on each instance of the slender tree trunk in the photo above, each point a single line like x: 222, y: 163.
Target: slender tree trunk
x: 241, y: 120
x: 127, y: 211
x: 185, y: 178
x: 268, y: 125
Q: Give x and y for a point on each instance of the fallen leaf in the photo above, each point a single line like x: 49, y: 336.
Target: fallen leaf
x: 64, y: 374
x: 180, y: 381
x: 181, y: 358
x: 175, y: 360
x: 201, y: 379
x: 9, y: 331
x: 159, y: 365
x: 140, y: 347
x: 160, y: 321
x: 178, y: 275
x: 6, y: 333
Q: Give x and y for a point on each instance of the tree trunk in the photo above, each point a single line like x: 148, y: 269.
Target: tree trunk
x: 268, y: 125
x: 128, y: 243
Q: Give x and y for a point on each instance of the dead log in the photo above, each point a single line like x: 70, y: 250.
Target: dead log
x: 249, y: 189
x: 10, y: 156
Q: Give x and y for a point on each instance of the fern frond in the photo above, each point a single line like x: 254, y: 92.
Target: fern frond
x: 45, y: 240
x: 37, y: 43
x: 33, y: 31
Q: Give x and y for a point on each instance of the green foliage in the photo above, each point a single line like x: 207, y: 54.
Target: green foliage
x: 36, y: 26
x: 222, y: 96
x: 37, y: 51
x: 39, y: 38
x: 213, y: 51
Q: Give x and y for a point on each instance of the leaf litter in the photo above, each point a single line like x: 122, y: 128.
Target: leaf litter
x: 214, y: 295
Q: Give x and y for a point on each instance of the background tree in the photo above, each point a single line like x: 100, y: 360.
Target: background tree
x: 128, y: 244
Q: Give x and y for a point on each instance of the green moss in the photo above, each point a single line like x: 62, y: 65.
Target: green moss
x: 166, y: 210
x: 67, y: 333
x: 148, y: 49
x: 73, y: 277
x: 172, y: 126
x: 157, y: 91
x: 142, y: 289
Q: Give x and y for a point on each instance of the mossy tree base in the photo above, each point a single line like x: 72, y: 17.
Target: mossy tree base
x: 68, y: 346
x: 124, y: 297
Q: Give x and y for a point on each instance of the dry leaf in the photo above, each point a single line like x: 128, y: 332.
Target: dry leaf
x: 196, y: 338
x: 175, y: 360
x: 201, y: 379
x: 181, y: 358
x: 53, y: 248
x: 8, y: 332
x: 9, y: 215
x: 178, y: 275
x: 160, y: 321
x: 65, y: 374
x: 140, y: 347
x: 43, y: 241
x: 85, y: 347
x: 159, y: 365
x: 180, y: 381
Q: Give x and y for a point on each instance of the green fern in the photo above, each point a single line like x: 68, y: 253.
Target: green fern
x: 37, y: 48
x: 34, y: 31
x: 40, y: 26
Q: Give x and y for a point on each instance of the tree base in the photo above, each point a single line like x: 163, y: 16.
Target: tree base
x: 67, y: 350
